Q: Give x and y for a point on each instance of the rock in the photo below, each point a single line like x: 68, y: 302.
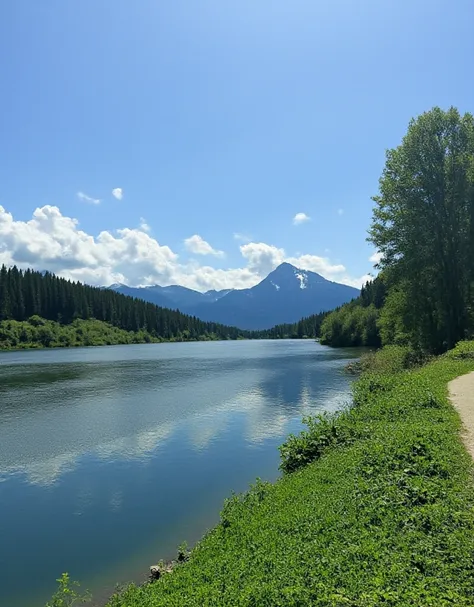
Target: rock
x: 156, y: 571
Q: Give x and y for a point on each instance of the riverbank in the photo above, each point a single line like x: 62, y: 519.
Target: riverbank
x: 378, y: 509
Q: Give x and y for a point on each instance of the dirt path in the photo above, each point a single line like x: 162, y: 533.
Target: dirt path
x: 461, y: 393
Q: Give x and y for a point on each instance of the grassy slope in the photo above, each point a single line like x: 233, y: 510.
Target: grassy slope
x: 384, y: 517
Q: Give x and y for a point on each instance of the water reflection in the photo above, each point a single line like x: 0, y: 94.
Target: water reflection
x: 131, y: 408
x: 126, y: 451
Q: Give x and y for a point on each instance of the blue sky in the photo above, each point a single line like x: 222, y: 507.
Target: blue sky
x: 214, y: 119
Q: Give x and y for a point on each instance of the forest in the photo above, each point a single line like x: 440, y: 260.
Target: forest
x: 42, y: 310
x: 306, y: 328
x: 423, y: 229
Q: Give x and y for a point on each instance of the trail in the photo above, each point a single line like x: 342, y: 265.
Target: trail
x: 461, y: 394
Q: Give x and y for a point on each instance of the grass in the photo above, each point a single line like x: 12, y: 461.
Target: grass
x: 375, y: 507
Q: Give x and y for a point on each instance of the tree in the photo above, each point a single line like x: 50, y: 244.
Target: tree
x: 423, y: 224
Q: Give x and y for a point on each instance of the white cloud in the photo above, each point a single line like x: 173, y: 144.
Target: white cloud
x: 89, y: 199
x: 300, y: 218
x: 242, y: 237
x: 117, y: 193
x: 262, y: 258
x: 375, y: 257
x: 340, y: 212
x: 54, y: 242
x: 196, y: 244
x: 356, y: 282
x: 144, y: 226
x: 321, y: 265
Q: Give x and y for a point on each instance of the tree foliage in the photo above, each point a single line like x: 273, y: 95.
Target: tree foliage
x: 356, y: 323
x: 423, y: 224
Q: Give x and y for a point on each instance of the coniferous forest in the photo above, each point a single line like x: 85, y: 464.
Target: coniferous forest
x: 309, y: 327
x: 41, y: 309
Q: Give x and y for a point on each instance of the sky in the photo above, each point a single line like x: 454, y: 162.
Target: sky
x: 203, y: 143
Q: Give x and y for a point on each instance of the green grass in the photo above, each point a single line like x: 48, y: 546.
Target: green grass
x: 382, y: 516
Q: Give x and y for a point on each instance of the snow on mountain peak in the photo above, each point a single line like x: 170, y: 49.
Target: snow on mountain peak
x: 303, y: 278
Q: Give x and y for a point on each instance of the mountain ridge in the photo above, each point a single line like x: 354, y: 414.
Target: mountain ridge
x: 286, y: 295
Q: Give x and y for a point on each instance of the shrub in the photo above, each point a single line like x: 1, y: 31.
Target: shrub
x: 464, y: 350
x: 392, y: 359
x: 67, y: 595
x: 324, y: 431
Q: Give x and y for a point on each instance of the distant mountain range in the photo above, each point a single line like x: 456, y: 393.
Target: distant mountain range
x: 285, y: 296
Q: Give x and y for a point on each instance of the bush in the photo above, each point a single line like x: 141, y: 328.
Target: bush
x: 464, y: 350
x: 324, y: 431
x: 392, y: 359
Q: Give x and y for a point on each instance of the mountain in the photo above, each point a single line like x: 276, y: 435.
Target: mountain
x: 174, y: 296
x: 285, y: 296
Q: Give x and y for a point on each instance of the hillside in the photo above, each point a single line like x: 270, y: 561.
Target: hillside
x: 46, y: 297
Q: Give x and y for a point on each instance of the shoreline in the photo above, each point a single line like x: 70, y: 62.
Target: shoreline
x: 270, y: 519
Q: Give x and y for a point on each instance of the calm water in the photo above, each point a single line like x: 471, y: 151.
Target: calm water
x: 110, y: 457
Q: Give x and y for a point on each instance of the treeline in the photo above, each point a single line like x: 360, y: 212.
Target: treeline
x: 357, y: 322
x: 423, y: 227
x: 36, y: 332
x: 309, y: 327
x: 26, y: 294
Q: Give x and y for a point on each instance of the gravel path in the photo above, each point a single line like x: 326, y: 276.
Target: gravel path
x: 461, y: 393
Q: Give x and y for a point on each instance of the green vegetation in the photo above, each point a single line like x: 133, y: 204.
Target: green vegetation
x: 309, y: 327
x: 43, y: 310
x: 67, y: 594
x: 375, y: 507
x: 40, y: 333
x: 356, y: 323
x: 423, y: 227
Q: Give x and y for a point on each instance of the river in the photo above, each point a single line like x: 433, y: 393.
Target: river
x: 110, y: 457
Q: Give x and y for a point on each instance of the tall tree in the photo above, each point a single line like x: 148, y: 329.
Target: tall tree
x: 423, y: 224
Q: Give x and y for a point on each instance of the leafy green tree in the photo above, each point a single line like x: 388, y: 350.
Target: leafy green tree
x: 423, y: 224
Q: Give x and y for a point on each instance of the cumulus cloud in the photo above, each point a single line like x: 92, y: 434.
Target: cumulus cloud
x: 300, y: 218
x: 144, y: 225
x: 375, y: 257
x: 262, y: 258
x: 51, y: 241
x: 117, y: 193
x: 54, y: 242
x: 197, y: 245
x: 89, y: 199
